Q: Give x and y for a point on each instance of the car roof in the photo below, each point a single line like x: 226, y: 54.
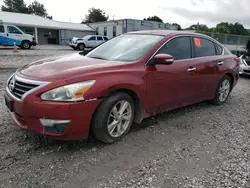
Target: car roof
x: 94, y: 36
x: 166, y: 32
x: 172, y: 33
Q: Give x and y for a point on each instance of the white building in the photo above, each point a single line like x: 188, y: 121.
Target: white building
x: 117, y: 27
x: 46, y: 31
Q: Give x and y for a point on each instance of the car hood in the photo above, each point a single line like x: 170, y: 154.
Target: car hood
x: 75, y: 38
x: 66, y: 67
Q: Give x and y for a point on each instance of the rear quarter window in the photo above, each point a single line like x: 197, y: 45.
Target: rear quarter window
x: 219, y: 49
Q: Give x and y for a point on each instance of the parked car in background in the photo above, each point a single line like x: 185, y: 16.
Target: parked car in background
x: 10, y: 34
x: 89, y: 41
x: 245, y: 64
x: 245, y: 61
x: 124, y: 80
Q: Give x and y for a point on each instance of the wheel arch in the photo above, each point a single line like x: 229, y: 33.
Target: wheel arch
x: 230, y: 75
x: 136, y: 100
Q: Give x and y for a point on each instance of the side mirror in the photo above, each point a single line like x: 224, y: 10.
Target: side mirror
x: 163, y: 59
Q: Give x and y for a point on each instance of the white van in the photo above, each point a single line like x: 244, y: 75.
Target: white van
x: 10, y: 34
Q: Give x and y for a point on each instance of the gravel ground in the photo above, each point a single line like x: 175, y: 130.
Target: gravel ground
x: 194, y: 147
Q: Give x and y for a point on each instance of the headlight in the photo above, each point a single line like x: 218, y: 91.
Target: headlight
x: 72, y: 92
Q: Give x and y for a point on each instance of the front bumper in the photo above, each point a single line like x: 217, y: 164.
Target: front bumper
x: 72, y: 45
x: 33, y: 43
x: 28, y: 114
x: 244, y: 70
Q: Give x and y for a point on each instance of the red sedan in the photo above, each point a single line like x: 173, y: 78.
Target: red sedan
x: 128, y: 78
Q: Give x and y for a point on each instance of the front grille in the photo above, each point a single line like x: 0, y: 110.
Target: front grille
x: 20, y: 88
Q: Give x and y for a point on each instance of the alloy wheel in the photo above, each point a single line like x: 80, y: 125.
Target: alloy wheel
x: 224, y: 90
x: 119, y: 119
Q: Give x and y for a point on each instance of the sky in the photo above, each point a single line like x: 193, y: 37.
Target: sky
x: 183, y: 12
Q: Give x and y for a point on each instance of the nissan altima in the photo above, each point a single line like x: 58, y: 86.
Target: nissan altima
x: 124, y: 80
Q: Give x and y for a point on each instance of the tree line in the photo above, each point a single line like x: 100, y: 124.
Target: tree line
x: 97, y: 15
x: 19, y: 6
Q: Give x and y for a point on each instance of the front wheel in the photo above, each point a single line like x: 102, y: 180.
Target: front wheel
x: 26, y: 45
x: 80, y: 46
x: 113, y: 118
x: 223, y: 90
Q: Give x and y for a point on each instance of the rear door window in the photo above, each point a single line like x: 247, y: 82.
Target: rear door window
x: 203, y: 47
x: 1, y: 29
x: 99, y: 38
x: 179, y: 48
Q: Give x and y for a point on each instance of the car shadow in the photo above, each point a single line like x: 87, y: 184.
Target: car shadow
x: 45, y: 143
x: 244, y: 76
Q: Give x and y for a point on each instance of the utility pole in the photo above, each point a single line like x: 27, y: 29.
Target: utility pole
x: 197, y: 27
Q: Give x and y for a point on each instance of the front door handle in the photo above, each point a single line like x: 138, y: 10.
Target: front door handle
x: 220, y: 63
x: 191, y: 69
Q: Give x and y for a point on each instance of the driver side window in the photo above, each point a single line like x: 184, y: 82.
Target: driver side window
x: 179, y: 48
x: 13, y: 30
x: 92, y: 38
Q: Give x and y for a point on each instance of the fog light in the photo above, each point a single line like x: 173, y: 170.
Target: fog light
x: 55, y: 126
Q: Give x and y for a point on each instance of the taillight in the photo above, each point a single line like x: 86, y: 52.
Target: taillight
x: 237, y: 59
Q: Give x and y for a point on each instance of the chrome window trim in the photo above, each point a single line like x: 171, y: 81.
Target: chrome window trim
x: 191, y: 35
x: 28, y: 81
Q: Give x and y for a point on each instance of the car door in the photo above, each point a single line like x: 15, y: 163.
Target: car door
x: 205, y: 52
x: 14, y: 35
x: 177, y: 84
x: 92, y: 42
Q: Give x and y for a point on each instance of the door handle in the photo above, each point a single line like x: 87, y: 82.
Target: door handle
x: 220, y: 63
x: 191, y: 69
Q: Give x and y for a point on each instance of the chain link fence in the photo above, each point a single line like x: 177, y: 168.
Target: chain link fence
x: 232, y: 42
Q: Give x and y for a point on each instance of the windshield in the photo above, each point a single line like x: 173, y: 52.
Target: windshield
x: 125, y: 47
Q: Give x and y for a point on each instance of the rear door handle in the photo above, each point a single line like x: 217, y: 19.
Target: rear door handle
x: 191, y: 69
x: 220, y: 63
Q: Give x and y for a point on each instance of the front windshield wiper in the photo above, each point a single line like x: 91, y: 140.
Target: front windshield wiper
x: 97, y: 57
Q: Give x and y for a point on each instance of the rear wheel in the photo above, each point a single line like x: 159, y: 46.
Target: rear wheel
x: 26, y: 45
x: 80, y: 46
x: 113, y: 118
x: 223, y: 90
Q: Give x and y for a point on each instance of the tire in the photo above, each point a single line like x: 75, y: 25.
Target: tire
x: 105, y: 116
x: 26, y: 45
x: 219, y: 100
x: 81, y: 47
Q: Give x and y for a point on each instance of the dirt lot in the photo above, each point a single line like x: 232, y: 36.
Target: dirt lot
x: 198, y: 146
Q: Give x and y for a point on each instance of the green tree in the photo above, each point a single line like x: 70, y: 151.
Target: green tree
x: 154, y: 18
x: 95, y: 15
x: 223, y: 27
x: 200, y: 27
x: 231, y: 28
x: 15, y: 6
x: 38, y: 9
x: 177, y: 25
x: 20, y: 7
